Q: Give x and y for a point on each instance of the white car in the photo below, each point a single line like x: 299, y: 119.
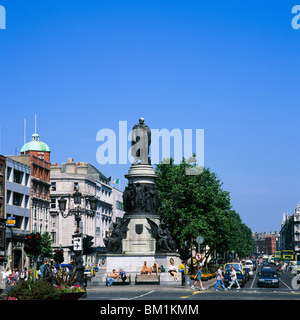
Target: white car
x: 249, y: 264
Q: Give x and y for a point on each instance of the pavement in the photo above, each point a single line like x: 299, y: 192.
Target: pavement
x: 178, y: 287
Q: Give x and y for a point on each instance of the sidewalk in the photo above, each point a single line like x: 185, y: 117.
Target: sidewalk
x: 178, y: 287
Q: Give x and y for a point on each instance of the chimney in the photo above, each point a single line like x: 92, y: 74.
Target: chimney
x: 70, y: 166
x: 82, y: 168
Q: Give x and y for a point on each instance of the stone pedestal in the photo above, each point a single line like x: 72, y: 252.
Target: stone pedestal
x: 140, y: 236
x: 132, y: 265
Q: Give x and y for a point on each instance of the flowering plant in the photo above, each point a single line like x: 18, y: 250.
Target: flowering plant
x: 8, y: 298
x: 68, y: 289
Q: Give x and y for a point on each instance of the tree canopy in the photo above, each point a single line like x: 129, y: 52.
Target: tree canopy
x: 195, y: 205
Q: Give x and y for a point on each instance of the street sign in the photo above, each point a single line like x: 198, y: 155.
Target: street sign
x: 199, y: 240
x: 77, y: 244
x: 198, y: 256
x: 11, y: 222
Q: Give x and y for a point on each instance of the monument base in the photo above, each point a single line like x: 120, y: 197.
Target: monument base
x: 132, y: 265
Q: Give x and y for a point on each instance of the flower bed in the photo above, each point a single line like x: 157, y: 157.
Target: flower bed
x: 70, y: 293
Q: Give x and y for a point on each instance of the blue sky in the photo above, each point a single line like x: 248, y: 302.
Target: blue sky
x: 228, y: 67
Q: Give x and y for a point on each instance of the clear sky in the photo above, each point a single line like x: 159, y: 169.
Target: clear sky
x: 228, y: 67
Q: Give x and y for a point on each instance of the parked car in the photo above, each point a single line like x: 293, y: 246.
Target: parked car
x: 268, y: 277
x: 241, y: 278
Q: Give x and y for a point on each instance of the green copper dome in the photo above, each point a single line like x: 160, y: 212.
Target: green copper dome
x: 35, y: 145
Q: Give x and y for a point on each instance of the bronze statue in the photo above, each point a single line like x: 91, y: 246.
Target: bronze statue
x: 140, y: 142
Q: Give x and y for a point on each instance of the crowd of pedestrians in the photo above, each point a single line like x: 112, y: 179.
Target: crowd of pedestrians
x: 14, y: 276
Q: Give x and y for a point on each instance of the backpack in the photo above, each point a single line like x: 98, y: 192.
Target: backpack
x: 47, y: 272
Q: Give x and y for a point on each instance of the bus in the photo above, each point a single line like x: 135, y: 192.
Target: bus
x: 277, y: 256
x: 287, y: 255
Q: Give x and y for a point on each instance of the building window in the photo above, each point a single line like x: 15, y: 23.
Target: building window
x: 0, y: 189
x: 53, y: 203
x: 53, y: 235
x: 8, y: 173
x: 8, y: 196
x: 27, y: 202
x: 27, y: 180
x: 53, y: 186
x: 18, y: 176
x: 17, y: 199
x: 76, y: 186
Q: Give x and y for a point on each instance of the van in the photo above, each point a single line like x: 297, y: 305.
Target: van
x: 249, y: 264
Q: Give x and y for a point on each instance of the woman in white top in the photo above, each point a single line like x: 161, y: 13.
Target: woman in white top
x: 173, y: 271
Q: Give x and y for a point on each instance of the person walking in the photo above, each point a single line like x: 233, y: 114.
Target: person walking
x: 198, y: 279
x: 234, y: 279
x: 219, y: 279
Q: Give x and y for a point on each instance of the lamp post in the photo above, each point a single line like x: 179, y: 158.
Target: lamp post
x: 78, y: 212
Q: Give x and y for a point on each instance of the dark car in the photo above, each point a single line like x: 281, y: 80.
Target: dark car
x: 268, y: 277
x: 266, y: 264
x: 241, y: 278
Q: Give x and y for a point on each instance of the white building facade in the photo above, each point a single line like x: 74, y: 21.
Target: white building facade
x: 66, y: 178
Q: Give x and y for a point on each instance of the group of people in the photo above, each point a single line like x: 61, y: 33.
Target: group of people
x: 114, y: 275
x: 12, y: 277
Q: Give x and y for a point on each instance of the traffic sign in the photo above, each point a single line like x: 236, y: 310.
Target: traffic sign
x: 198, y: 256
x: 199, y: 240
x: 77, y: 244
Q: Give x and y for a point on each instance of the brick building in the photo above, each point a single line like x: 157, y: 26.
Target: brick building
x: 36, y: 154
x: 265, y: 243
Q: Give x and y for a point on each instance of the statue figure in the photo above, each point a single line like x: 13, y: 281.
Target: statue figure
x: 148, y: 199
x: 139, y: 197
x: 140, y: 142
x: 128, y: 198
x: 155, y: 198
x: 164, y: 240
x: 114, y: 242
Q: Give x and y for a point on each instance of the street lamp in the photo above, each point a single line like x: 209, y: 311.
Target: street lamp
x: 78, y: 212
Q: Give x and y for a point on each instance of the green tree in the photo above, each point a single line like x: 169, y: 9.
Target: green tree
x: 46, y: 245
x: 195, y: 205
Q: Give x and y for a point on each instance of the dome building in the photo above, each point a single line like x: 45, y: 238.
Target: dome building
x: 36, y: 154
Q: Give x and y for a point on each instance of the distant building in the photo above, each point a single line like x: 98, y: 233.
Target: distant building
x: 2, y: 212
x: 66, y: 178
x: 290, y: 231
x: 17, y: 210
x: 265, y: 243
x: 2, y: 186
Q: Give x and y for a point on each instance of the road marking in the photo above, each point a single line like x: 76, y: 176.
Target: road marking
x: 142, y: 295
x: 285, y: 284
x: 253, y: 280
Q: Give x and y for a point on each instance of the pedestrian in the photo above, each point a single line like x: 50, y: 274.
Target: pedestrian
x: 219, y: 279
x: 233, y: 279
x: 198, y: 279
x: 7, y: 275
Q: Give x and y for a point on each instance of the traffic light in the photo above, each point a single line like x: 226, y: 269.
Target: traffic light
x: 36, y: 244
x: 185, y: 253
x: 33, y: 244
x: 28, y: 243
x: 59, y: 256
x: 87, y: 245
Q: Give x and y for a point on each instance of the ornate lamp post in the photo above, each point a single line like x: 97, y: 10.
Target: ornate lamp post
x: 78, y: 212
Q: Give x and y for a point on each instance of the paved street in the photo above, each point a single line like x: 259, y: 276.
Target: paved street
x: 152, y: 292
